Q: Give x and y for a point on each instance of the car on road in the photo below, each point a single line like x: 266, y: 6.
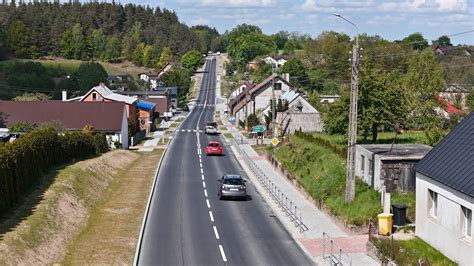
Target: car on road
x: 186, y: 108
x: 231, y: 186
x: 211, y: 128
x: 213, y: 148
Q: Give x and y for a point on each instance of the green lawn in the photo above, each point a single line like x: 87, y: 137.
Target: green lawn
x: 408, y: 252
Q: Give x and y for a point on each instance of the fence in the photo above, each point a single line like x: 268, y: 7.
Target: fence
x: 336, y: 255
x: 286, y: 205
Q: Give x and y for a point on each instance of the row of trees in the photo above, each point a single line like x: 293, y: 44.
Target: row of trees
x: 106, y: 31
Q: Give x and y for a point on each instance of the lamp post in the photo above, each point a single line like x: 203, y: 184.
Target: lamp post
x: 352, y: 136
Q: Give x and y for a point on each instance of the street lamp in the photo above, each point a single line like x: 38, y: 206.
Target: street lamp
x: 352, y: 138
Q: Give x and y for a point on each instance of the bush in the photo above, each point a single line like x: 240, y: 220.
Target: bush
x: 24, y: 161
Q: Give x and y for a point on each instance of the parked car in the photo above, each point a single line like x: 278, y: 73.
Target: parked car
x: 231, y: 186
x: 186, y: 108
x: 213, y: 148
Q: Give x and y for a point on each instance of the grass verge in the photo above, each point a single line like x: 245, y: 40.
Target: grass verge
x: 228, y: 135
x: 113, y: 227
x: 408, y: 252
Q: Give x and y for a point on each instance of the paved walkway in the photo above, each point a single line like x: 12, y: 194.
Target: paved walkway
x: 315, y: 220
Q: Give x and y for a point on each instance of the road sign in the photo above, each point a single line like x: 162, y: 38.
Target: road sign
x: 258, y: 128
x: 232, y: 119
x: 275, y: 141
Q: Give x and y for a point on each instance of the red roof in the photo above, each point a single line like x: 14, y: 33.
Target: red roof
x: 448, y: 107
x: 102, y: 116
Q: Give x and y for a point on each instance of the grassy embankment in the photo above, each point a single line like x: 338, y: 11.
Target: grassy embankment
x: 100, y: 201
x: 320, y: 169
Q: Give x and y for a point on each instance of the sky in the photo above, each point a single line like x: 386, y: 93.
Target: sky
x: 391, y: 19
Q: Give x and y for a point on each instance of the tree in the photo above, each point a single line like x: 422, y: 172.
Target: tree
x: 443, y: 40
x: 73, y: 43
x: 22, y: 126
x: 297, y: 71
x: 32, y: 97
x: 417, y: 41
x: 289, y: 47
x: 113, y: 49
x: 381, y: 100
x: 165, y: 56
x: 470, y: 101
x: 98, y: 42
x: 192, y: 60
x: 89, y: 75
x: 336, y: 115
x: 180, y: 78
x: 246, y: 47
x: 18, y: 39
x: 252, y: 120
x: 423, y: 82
x: 132, y: 39
x: 137, y: 56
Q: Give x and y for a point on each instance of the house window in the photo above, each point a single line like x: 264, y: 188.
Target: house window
x: 466, y: 222
x: 371, y: 167
x: 433, y: 203
x: 94, y: 96
x: 277, y: 86
x: 362, y: 164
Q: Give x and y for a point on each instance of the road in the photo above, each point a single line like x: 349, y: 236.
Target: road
x: 187, y: 224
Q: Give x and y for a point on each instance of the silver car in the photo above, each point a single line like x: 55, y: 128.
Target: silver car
x: 232, y: 186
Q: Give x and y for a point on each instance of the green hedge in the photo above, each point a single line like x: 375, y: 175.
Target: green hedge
x: 25, y: 160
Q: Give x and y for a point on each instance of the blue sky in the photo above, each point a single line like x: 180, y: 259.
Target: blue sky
x: 391, y: 19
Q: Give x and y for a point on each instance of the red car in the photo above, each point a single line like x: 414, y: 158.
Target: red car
x: 213, y: 148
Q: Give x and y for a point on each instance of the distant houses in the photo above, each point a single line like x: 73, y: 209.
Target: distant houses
x: 445, y: 194
x: 107, y: 117
x: 277, y: 60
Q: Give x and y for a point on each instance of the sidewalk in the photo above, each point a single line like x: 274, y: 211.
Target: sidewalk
x: 315, y: 220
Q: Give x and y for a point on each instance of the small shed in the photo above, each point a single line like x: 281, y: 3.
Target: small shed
x: 389, y: 166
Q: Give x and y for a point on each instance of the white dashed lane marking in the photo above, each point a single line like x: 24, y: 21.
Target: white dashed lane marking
x: 224, y: 258
x: 212, y: 216
x: 215, y: 232
x: 208, y: 204
x: 205, y: 192
x: 203, y: 184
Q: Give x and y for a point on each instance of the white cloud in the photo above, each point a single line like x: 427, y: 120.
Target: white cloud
x: 199, y: 21
x: 235, y: 3
x: 407, y: 5
x: 309, y: 5
x: 452, y: 5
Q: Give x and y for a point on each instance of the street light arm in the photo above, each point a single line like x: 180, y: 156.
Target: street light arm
x: 353, y: 24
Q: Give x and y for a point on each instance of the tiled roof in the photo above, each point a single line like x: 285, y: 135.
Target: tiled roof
x: 108, y: 94
x: 103, y: 116
x: 451, y: 162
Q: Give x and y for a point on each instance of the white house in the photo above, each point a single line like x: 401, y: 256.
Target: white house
x: 257, y: 97
x: 277, y: 60
x: 151, y: 77
x: 445, y: 194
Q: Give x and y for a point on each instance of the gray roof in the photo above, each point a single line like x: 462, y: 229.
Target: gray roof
x: 451, y: 162
x: 398, y: 150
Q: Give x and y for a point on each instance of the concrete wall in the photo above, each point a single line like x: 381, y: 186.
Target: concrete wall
x: 366, y: 177
x: 445, y: 231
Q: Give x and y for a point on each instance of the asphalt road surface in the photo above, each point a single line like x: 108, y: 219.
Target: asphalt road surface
x: 187, y: 224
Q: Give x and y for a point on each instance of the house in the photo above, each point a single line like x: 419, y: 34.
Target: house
x: 448, y: 49
x: 146, y: 112
x: 107, y: 117
x: 387, y: 167
x: 257, y: 96
x: 253, y: 64
x: 455, y: 93
x: 173, y: 92
x: 161, y: 99
x: 445, y: 194
x: 151, y: 77
x: 277, y: 60
x: 329, y: 98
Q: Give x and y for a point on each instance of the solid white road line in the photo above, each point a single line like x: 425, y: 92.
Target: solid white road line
x: 212, y: 216
x: 203, y: 184
x: 224, y: 258
x: 205, y: 192
x: 208, y: 204
x: 215, y: 232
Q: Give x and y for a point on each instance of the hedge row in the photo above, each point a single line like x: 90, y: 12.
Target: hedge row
x: 25, y: 160
x: 341, y: 151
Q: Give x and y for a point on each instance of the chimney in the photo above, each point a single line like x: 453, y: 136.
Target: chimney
x: 101, y: 85
x: 64, y: 94
x: 286, y: 76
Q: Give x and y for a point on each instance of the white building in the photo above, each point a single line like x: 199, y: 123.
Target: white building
x: 445, y: 194
x: 277, y: 60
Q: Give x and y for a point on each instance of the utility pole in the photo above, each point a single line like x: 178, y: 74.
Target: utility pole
x: 273, y: 107
x: 352, y: 136
x: 246, y: 101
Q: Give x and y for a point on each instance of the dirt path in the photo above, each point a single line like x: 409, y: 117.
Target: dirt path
x: 111, y: 235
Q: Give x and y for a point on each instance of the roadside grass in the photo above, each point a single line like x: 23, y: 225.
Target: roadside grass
x: 41, y: 236
x: 113, y: 227
x: 262, y: 149
x: 321, y: 172
x: 174, y: 125
x: 219, y: 122
x: 228, y: 135
x: 408, y: 252
x: 169, y: 132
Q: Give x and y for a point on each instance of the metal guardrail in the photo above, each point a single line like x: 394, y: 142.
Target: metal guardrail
x: 285, y: 204
x: 336, y: 255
